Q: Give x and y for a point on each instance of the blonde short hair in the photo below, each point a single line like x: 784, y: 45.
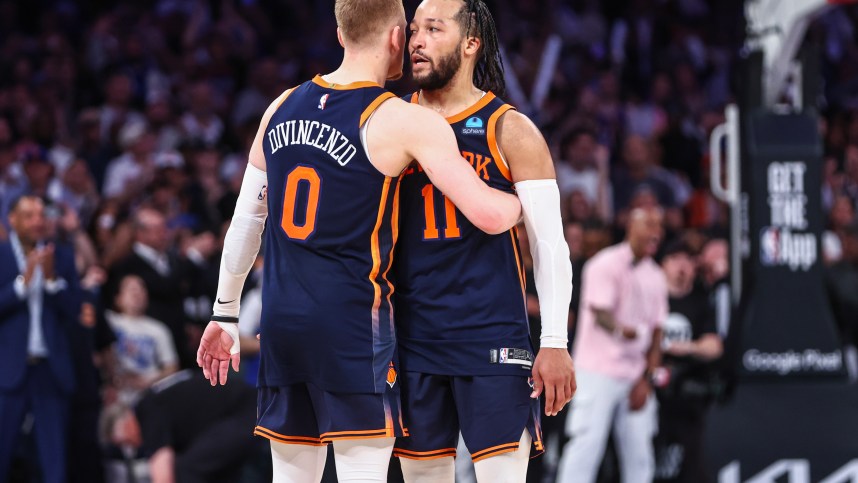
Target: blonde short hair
x: 360, y: 20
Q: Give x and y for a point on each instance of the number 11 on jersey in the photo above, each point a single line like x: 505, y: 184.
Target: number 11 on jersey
x: 451, y: 228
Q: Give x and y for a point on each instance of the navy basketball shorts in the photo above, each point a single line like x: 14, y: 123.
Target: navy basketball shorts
x: 490, y: 411
x: 305, y: 414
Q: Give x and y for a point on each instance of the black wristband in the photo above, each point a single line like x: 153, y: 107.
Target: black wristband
x: 224, y: 318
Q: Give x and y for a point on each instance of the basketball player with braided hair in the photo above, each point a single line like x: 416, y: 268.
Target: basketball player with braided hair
x: 466, y: 355
x: 324, y: 177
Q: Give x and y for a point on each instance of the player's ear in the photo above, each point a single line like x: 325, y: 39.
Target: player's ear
x: 397, y: 39
x: 396, y: 43
x: 472, y: 46
x: 340, y: 38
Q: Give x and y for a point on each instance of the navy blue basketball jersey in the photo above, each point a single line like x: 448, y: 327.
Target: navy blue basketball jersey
x: 460, y: 307
x: 332, y: 224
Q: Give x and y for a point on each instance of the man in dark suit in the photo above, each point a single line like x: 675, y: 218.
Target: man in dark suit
x: 167, y: 278
x: 39, y: 305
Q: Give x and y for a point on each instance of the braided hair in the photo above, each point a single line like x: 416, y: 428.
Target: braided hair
x: 476, y: 20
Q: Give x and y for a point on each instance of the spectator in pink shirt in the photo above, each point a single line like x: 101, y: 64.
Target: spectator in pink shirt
x: 623, y: 305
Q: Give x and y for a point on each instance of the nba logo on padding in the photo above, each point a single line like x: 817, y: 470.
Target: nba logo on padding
x: 474, y: 122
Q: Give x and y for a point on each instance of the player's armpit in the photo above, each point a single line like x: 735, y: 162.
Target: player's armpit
x: 523, y: 148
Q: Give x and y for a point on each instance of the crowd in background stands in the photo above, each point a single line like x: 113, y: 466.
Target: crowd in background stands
x: 133, y: 121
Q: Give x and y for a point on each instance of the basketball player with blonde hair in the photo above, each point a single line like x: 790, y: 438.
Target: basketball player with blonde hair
x: 324, y: 180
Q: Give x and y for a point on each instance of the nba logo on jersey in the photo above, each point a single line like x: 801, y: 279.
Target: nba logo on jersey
x: 322, y: 101
x: 504, y: 355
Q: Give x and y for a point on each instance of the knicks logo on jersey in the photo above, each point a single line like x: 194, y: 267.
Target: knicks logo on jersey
x: 391, y: 375
x: 479, y: 162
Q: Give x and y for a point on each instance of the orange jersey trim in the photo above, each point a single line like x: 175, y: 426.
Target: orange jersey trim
x: 491, y: 138
x: 373, y: 106
x: 283, y: 97
x: 388, y: 412
x: 395, y: 226
x: 280, y: 100
x: 494, y: 450
x: 319, y: 81
x: 374, y: 434
x: 376, y: 252
x: 425, y: 455
x: 282, y: 438
x: 333, y: 434
x: 537, y: 441
x: 483, y: 102
x: 376, y: 255
x: 513, y: 234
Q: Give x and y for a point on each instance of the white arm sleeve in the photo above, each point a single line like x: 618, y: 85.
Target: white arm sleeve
x: 540, y: 205
x: 241, y: 246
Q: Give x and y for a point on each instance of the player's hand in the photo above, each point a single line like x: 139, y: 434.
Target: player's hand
x: 639, y: 394
x: 554, y: 376
x: 217, y: 349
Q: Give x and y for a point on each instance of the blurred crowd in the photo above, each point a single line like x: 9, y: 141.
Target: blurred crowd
x: 132, y: 121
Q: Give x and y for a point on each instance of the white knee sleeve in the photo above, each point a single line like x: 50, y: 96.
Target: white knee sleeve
x: 437, y: 470
x: 507, y: 467
x: 298, y: 463
x: 363, y: 460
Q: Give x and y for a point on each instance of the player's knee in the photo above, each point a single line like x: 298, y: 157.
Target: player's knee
x: 503, y: 468
x: 297, y: 462
x: 436, y: 470
x: 364, y: 460
x: 506, y: 467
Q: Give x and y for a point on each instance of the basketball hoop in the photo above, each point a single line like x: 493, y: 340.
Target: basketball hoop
x: 777, y: 28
